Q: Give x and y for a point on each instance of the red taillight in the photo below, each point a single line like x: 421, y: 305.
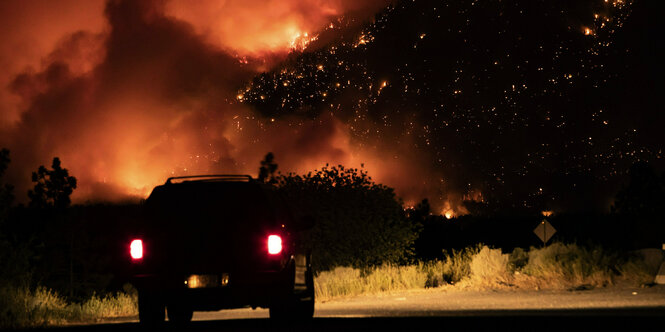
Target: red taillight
x: 274, y: 244
x: 136, y: 249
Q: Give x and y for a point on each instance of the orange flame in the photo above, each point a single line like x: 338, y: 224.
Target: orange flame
x: 255, y: 28
x: 447, y: 210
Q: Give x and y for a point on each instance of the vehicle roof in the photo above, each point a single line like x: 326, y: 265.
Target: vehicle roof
x: 206, y: 197
x: 207, y: 188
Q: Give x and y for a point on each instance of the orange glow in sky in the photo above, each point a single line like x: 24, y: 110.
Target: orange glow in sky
x: 128, y: 93
x: 254, y: 28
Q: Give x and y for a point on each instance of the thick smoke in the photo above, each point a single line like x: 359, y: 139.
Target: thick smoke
x: 29, y: 30
x: 144, y: 94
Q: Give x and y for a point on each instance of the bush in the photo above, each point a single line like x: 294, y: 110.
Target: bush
x: 518, y: 259
x: 359, y: 223
x: 566, y: 265
x: 454, y: 267
x: 457, y: 266
x: 489, y: 267
x: 641, y: 267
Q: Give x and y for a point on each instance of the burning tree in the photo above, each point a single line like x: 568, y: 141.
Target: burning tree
x: 268, y: 169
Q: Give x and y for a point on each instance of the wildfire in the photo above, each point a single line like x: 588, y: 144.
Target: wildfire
x: 448, y: 211
x: 381, y: 86
x: 299, y: 42
x: 546, y: 213
x: 454, y: 204
x: 257, y: 28
x: 364, y: 39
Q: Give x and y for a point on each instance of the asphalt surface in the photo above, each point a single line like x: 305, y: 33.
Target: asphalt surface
x: 610, y: 309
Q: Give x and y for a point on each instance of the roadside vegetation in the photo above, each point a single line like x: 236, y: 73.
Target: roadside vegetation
x: 556, y: 266
x: 22, y: 307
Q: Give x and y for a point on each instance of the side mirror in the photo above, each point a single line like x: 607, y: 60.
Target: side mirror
x: 304, y: 223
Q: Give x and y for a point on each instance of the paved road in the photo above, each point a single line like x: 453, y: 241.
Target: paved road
x: 440, y: 302
x: 438, y: 310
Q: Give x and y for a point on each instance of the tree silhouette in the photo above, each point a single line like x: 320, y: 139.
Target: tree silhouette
x: 17, y: 256
x: 358, y: 222
x: 4, y: 161
x: 6, y: 190
x: 52, y: 188
x: 268, y: 169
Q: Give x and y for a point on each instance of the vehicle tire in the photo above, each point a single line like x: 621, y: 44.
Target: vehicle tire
x: 179, y: 314
x: 151, y: 308
x: 305, y: 304
x: 304, y: 309
x: 296, y: 306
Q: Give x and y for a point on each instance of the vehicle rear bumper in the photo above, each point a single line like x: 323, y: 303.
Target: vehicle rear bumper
x: 258, y: 289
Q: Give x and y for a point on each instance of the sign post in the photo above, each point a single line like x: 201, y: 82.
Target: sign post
x: 544, y: 231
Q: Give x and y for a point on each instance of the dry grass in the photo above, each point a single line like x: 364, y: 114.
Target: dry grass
x: 110, y: 306
x: 557, y: 266
x: 346, y: 281
x: 21, y: 307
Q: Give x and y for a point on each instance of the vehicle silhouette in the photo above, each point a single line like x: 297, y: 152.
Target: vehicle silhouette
x: 214, y: 242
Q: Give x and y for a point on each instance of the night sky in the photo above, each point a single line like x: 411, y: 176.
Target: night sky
x: 522, y: 105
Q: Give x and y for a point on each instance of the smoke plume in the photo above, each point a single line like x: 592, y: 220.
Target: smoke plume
x: 128, y: 93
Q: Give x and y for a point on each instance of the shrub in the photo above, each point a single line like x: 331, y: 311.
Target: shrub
x: 566, y: 265
x: 359, y: 223
x: 489, y: 267
x: 457, y: 266
x: 518, y: 259
x: 434, y: 272
x: 639, y: 268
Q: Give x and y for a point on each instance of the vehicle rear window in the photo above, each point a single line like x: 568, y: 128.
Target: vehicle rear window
x: 210, y: 203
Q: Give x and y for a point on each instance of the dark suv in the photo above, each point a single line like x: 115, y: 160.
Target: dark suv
x: 216, y: 242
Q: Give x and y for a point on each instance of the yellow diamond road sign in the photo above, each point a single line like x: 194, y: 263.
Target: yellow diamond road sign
x: 544, y: 231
